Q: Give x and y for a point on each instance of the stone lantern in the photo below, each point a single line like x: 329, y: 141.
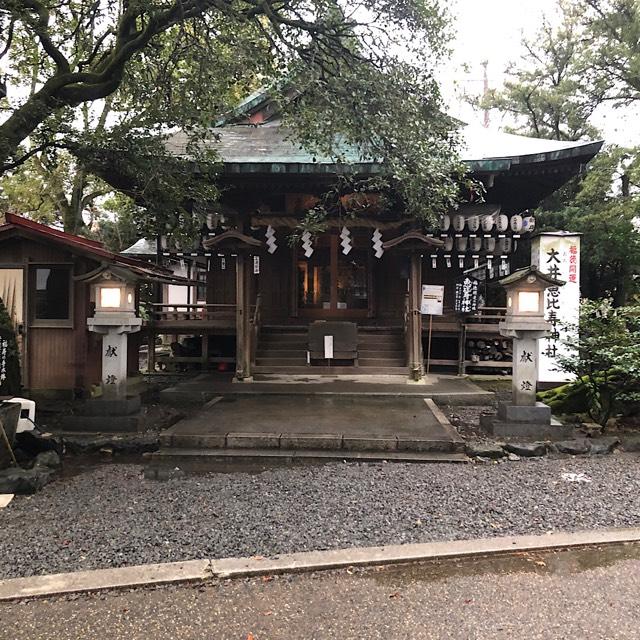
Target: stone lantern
x: 114, y: 292
x: 114, y: 295
x: 525, y: 323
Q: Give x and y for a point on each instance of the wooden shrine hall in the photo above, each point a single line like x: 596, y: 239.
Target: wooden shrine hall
x: 263, y: 295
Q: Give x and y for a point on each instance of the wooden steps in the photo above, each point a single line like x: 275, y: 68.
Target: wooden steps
x: 283, y: 349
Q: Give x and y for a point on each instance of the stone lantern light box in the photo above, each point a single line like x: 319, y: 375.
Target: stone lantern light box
x: 525, y: 302
x: 525, y: 323
x: 114, y: 292
x: 114, y: 295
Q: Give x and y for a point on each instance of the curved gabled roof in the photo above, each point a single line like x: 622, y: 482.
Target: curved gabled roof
x: 270, y: 148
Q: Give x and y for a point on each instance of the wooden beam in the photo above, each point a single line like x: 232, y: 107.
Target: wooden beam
x: 243, y: 309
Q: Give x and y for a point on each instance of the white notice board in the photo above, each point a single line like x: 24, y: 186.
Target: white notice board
x: 328, y: 347
x: 432, y: 302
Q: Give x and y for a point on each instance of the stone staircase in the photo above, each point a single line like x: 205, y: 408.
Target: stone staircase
x: 283, y: 350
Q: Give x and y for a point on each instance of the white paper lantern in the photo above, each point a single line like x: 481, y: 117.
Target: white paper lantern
x: 445, y: 222
x: 489, y: 245
x: 487, y: 223
x: 528, y: 224
x: 473, y: 223
x: 516, y: 223
x: 461, y: 243
x: 458, y: 222
x: 476, y: 244
x: 448, y: 244
x: 505, y: 245
x: 502, y: 223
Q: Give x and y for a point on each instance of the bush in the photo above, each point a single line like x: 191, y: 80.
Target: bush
x: 605, y: 360
x: 10, y: 379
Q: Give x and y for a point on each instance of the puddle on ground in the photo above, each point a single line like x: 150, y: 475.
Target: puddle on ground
x: 75, y: 465
x: 78, y: 464
x: 195, y: 468
x: 554, y: 562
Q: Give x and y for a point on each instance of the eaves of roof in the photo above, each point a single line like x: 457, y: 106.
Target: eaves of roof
x: 77, y: 244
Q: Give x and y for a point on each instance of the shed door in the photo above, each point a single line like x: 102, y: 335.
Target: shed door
x: 12, y: 293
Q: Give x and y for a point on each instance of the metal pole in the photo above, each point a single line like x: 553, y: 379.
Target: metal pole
x: 429, y: 343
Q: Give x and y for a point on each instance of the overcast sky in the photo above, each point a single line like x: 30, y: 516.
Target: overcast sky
x: 492, y: 30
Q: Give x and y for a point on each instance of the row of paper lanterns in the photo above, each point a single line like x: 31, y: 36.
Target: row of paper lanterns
x: 489, y: 244
x: 502, y: 222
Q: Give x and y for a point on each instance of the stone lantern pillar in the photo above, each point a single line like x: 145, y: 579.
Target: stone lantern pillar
x: 114, y: 318
x: 525, y: 323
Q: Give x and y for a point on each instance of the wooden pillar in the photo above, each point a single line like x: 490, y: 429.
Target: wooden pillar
x: 243, y: 310
x: 462, y: 340
x: 151, y: 356
x: 416, y: 359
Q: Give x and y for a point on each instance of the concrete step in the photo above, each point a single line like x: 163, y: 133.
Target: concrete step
x: 304, y: 441
x: 319, y: 370
x: 202, y: 457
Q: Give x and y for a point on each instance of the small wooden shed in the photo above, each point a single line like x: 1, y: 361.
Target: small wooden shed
x: 40, y: 285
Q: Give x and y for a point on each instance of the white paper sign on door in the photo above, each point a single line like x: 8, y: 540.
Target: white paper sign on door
x: 432, y: 302
x: 328, y: 347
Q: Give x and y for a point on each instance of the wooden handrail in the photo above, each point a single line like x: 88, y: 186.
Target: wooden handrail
x: 407, y: 312
x: 256, y: 320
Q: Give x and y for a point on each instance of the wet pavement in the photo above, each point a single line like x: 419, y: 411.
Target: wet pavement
x: 578, y: 594
x: 353, y: 416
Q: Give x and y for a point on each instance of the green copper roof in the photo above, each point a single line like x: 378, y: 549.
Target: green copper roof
x: 269, y: 148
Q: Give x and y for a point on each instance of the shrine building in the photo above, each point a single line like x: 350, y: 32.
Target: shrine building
x: 349, y: 299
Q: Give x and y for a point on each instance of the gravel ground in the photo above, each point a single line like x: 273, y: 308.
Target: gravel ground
x: 111, y: 516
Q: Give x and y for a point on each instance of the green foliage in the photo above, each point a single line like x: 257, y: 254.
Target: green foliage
x: 119, y: 227
x: 603, y: 206
x: 107, y: 81
x: 545, y: 93
x: 605, y: 358
x: 611, y: 48
x: 11, y: 385
x: 565, y: 74
x: 570, y: 398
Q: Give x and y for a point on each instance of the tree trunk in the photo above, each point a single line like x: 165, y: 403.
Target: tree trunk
x: 23, y: 122
x: 620, y: 294
x: 72, y: 218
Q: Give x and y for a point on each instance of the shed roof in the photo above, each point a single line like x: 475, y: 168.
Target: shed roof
x: 83, y: 246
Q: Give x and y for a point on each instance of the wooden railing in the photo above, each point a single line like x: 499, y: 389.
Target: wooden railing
x: 406, y: 326
x: 488, y: 314
x: 200, y: 312
x: 256, y: 320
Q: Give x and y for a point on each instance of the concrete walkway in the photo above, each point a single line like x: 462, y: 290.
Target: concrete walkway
x: 451, y: 390
x: 325, y: 423
x: 203, y: 570
x: 588, y: 594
